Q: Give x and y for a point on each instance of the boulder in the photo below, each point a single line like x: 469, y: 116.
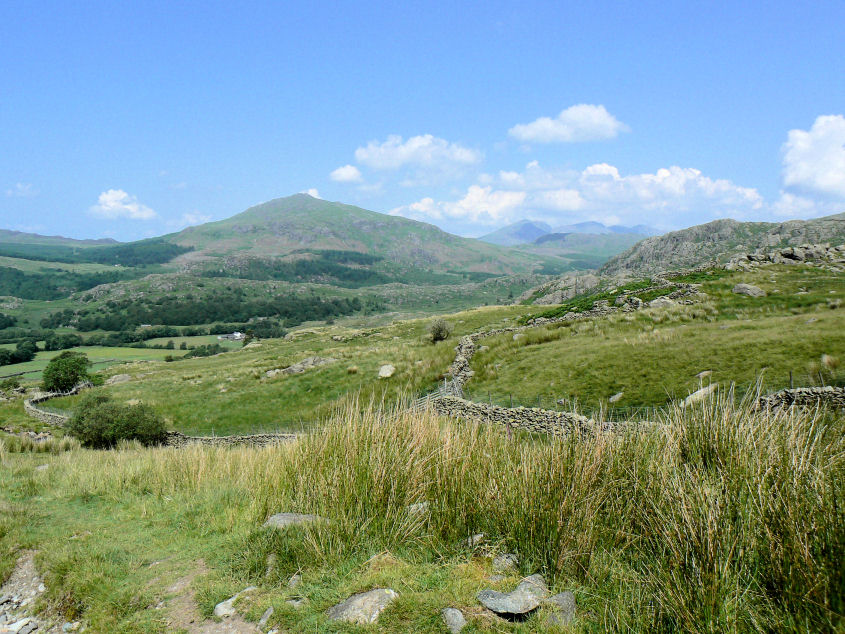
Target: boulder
x: 386, y: 371
x: 561, y: 609
x: 748, y: 289
x: 616, y: 397
x: 226, y: 608
x: 364, y: 607
x: 118, y: 378
x: 520, y: 602
x: 454, y: 619
x: 661, y: 302
x: 301, y: 366
x: 700, y: 395
x: 283, y: 520
x: 505, y: 563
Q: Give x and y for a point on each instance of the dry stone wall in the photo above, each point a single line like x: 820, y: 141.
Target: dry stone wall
x: 833, y: 397
x: 527, y: 418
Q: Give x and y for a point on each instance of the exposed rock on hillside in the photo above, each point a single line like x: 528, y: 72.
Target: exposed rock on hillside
x: 718, y: 241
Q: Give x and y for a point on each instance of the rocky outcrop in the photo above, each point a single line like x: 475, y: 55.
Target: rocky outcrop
x: 824, y: 255
x: 300, y: 367
x: 719, y: 241
x: 363, y: 608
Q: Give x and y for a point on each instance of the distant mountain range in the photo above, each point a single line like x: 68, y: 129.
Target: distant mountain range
x: 529, y: 231
x: 719, y: 240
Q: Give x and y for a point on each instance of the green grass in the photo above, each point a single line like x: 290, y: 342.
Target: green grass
x: 101, y: 357
x: 230, y: 394
x: 723, y: 520
x: 653, y: 356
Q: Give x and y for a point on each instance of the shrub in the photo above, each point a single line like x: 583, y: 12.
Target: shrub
x: 66, y: 371
x: 100, y: 423
x: 440, y: 329
x: 12, y: 383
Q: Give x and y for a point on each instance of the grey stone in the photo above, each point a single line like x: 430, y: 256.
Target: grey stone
x: 418, y: 508
x: 561, y: 609
x: 748, y: 289
x: 386, y: 371
x: 475, y: 540
x: 616, y: 397
x: 284, y: 520
x: 265, y: 617
x: 661, y: 302
x: 454, y: 619
x: 505, y: 564
x: 700, y: 395
x: 118, y: 378
x: 518, y: 603
x: 364, y: 607
x: 295, y: 580
x: 227, y: 608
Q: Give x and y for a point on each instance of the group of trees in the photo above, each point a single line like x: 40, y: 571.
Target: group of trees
x: 52, y: 283
x: 132, y: 254
x: 222, y: 305
x: 24, y: 351
x: 6, y: 321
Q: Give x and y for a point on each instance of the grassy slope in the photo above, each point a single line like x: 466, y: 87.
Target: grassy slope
x: 722, y: 522
x: 229, y: 393
x: 654, y: 355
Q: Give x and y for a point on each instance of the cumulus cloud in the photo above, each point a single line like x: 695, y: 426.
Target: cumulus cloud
x: 814, y: 160
x: 418, y: 151
x: 670, y: 197
x: 482, y: 205
x: 313, y: 193
x: 116, y: 203
x: 21, y: 190
x: 576, y: 124
x: 346, y: 174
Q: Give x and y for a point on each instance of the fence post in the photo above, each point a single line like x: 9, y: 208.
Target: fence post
x: 489, y: 397
x: 791, y: 384
x: 539, y: 404
x: 511, y: 396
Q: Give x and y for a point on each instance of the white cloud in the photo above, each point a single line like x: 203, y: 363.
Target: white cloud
x: 194, y: 218
x: 313, y: 193
x: 583, y: 122
x: 482, y: 205
x: 670, y: 197
x: 814, y: 160
x: 116, y: 203
x: 346, y: 174
x: 22, y: 190
x: 418, y: 151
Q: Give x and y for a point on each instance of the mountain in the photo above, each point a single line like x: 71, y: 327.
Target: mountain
x: 522, y: 232
x: 20, y: 237
x: 720, y: 239
x: 587, y: 250
x: 599, y: 228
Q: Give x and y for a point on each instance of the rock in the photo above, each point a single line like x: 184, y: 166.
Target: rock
x: 265, y: 617
x: 386, y: 371
x: 295, y: 580
x: 505, y: 564
x: 42, y: 467
x: 518, y: 603
x: 748, y: 289
x: 227, y: 608
x: 699, y: 395
x: 661, y: 302
x: 297, y: 602
x: 475, y: 540
x: 270, y: 565
x: 562, y: 609
x: 704, y: 374
x: 616, y: 397
x: 301, y: 366
x: 364, y: 607
x: 454, y: 619
x: 283, y: 520
x: 118, y: 378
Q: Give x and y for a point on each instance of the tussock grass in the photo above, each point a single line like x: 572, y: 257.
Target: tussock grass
x: 25, y: 444
x: 720, y: 519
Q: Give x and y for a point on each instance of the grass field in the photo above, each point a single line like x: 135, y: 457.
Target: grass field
x: 653, y: 356
x: 101, y: 358
x: 722, y: 520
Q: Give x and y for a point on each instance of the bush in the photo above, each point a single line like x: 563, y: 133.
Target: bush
x: 440, y: 329
x: 100, y: 423
x: 66, y: 371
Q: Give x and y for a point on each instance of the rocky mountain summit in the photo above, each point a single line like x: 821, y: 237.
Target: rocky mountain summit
x: 719, y: 241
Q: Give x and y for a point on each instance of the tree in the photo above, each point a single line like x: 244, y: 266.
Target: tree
x: 440, y: 329
x: 24, y: 351
x: 66, y: 371
x: 100, y: 423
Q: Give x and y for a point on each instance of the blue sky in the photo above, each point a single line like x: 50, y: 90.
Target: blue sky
x: 132, y: 121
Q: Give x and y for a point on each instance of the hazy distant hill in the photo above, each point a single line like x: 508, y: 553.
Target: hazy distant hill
x: 522, y: 232
x: 20, y: 237
x: 298, y: 223
x: 720, y: 239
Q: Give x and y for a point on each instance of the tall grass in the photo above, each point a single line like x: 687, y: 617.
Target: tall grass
x: 722, y: 519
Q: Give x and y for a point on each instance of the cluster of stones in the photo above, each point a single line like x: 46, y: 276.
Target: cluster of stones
x: 833, y: 397
x: 18, y: 596
x: 302, y: 366
x: 823, y: 255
